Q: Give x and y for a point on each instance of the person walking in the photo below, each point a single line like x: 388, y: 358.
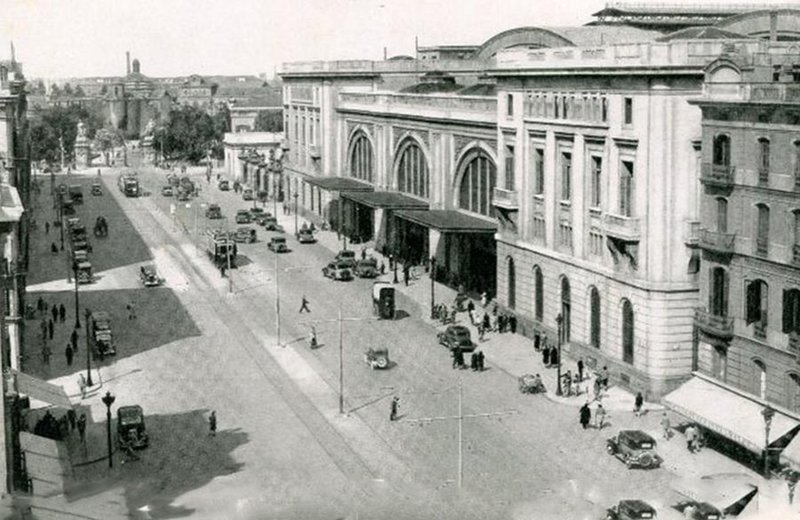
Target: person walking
x: 54, y: 312
x: 131, y: 310
x: 69, y: 354
x: 554, y: 356
x: 212, y: 424
x: 82, y: 427
x: 54, y: 248
x: 73, y: 339
x: 666, y: 430
x: 405, y: 273
x: 481, y: 331
x: 72, y: 418
x: 50, y: 329
x: 600, y: 417
x: 304, y: 305
x: 585, y: 415
x: 484, y: 299
x: 637, y: 405
x: 46, y: 354
x: 580, y: 369
x: 481, y: 361
x: 47, y: 228
x: 546, y: 356
x: 394, y: 408
x: 62, y: 313
x: 487, y: 322
x: 691, y: 437
x: 473, y: 361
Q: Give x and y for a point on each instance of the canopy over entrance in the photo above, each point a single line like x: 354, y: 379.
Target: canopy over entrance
x: 41, y: 390
x: 339, y: 184
x: 385, y: 200
x: 448, y: 221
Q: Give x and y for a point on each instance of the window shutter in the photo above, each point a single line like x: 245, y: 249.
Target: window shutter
x: 788, y: 317
x: 725, y: 283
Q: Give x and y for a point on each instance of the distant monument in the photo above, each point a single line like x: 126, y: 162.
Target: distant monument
x: 83, y: 151
x: 147, y: 142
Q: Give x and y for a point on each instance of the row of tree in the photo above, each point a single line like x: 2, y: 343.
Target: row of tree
x: 57, y: 126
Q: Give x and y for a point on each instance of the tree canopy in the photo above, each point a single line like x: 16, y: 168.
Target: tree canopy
x: 60, y: 121
x: 190, y: 133
x: 269, y: 121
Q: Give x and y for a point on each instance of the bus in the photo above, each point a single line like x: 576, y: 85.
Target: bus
x: 129, y: 185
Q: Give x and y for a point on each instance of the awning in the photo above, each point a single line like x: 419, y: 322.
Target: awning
x: 728, y: 413
x: 339, y: 184
x: 385, y: 200
x: 791, y: 453
x: 41, y: 390
x: 449, y: 221
x: 730, y: 493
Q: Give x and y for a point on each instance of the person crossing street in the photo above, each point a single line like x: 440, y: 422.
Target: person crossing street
x: 304, y: 305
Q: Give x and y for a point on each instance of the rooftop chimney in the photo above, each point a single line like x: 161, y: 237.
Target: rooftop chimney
x: 128, y: 62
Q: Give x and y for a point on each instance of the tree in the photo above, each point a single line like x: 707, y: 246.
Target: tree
x: 189, y: 134
x: 79, y: 92
x: 68, y: 90
x: 54, y: 123
x: 106, y: 139
x: 269, y: 121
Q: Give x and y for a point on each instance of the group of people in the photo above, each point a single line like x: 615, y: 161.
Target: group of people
x: 477, y: 360
x: 600, y: 416
x: 57, y: 314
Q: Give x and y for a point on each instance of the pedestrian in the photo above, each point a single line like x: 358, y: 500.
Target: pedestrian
x: 460, y: 358
x: 73, y: 339
x: 54, y: 312
x: 598, y: 387
x: 585, y: 415
x: 394, y: 407
x: 473, y: 361
x: 470, y: 306
x: 666, y: 431
x: 383, y: 268
x: 487, y: 323
x: 363, y: 253
x: 637, y: 405
x: 456, y: 351
x: 82, y: 427
x: 98, y: 172
x: 484, y: 299
x: 62, y: 313
x: 46, y: 354
x: 40, y: 305
x: 481, y: 331
x: 604, y: 377
x: 131, y: 310
x: 50, y: 329
x: 72, y: 418
x: 405, y: 273
x: 567, y: 383
x: 481, y: 361
x: 69, y: 354
x: 512, y: 324
x: 791, y: 482
x: 691, y: 436
x: 546, y: 356
x: 43, y: 328
x: 47, y: 228
x: 600, y: 417
x: 554, y: 361
x: 304, y: 305
x: 54, y: 248
x: 212, y: 424
x: 580, y: 369
x: 391, y: 261
x: 222, y: 269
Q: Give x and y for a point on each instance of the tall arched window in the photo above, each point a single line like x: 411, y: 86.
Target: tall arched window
x: 594, y: 305
x: 627, y: 331
x: 763, y: 160
x: 757, y: 305
x: 793, y: 392
x: 412, y: 170
x: 796, y: 230
x: 722, y: 150
x: 512, y: 284
x: 361, y: 159
x: 762, y: 229
x: 566, y: 309
x: 477, y: 183
x: 791, y: 311
x: 722, y: 215
x: 538, y: 293
x: 759, y: 379
x: 718, y: 292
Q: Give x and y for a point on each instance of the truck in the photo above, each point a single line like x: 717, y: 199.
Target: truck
x: 129, y: 185
x: 219, y: 246
x: 76, y: 193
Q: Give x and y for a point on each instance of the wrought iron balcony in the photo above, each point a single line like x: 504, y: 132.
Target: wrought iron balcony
x: 623, y: 228
x: 717, y: 242
x: 719, y: 326
x: 717, y: 175
x: 506, y: 199
x: 691, y: 232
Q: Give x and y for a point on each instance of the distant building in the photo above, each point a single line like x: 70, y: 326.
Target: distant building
x: 247, y: 160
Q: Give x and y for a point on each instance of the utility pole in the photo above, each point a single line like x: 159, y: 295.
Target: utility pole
x: 460, y: 419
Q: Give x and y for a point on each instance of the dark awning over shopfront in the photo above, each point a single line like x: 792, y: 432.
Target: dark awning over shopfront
x: 448, y: 221
x: 729, y: 413
x: 385, y: 200
x: 41, y: 390
x: 343, y: 184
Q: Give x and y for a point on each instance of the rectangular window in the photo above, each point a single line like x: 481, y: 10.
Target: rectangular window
x: 565, y: 234
x: 510, y: 105
x: 566, y: 176
x: 796, y: 73
x: 776, y: 73
x: 538, y: 226
x: 626, y: 189
x: 597, y: 181
x: 510, y: 168
x: 604, y: 109
x: 557, y: 104
x: 538, y: 171
x: 628, y: 111
x: 596, y: 242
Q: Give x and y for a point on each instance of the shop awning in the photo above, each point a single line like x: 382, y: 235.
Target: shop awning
x: 385, y: 200
x: 449, y: 221
x: 41, y: 390
x: 732, y: 415
x: 730, y: 493
x: 791, y: 453
x: 339, y: 184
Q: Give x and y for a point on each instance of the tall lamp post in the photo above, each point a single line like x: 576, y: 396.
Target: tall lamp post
x: 108, y: 400
x: 559, y: 320
x: 433, y: 285
x: 61, y: 217
x: 768, y: 413
x: 77, y: 312
x: 89, y: 381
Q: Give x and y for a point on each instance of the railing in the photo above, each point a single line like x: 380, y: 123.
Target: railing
x: 440, y: 102
x: 619, y: 226
x: 720, y: 326
x: 691, y: 232
x: 375, y: 67
x: 717, y: 174
x: 718, y: 242
x: 770, y: 92
x: 505, y: 198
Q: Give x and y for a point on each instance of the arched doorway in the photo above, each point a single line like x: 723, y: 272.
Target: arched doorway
x: 594, y: 322
x: 512, y: 284
x: 412, y: 170
x: 566, y: 310
x: 627, y: 331
x: 478, y: 176
x: 361, y: 159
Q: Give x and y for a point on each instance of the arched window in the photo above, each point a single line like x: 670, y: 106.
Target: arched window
x: 722, y: 150
x: 722, y: 215
x: 412, y: 170
x: 361, y: 157
x: 793, y: 391
x: 796, y: 231
x: 757, y: 305
x: 566, y: 310
x: 796, y: 163
x: 718, y: 292
x: 719, y: 362
x: 759, y: 379
x: 538, y: 293
x: 762, y: 229
x: 477, y: 183
x: 594, y: 306
x: 512, y: 284
x: 791, y: 311
x: 627, y: 331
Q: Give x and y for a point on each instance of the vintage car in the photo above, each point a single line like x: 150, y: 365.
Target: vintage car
x: 635, y: 448
x: 243, y: 217
x: 305, y: 236
x: 80, y: 256
x: 247, y: 194
x: 84, y: 272
x: 261, y: 219
x: 383, y: 300
x: 213, y: 211
x: 271, y: 224
x: 77, y: 232
x: 698, y: 510
x: 347, y: 256
x: 338, y: 271
x: 149, y: 276
x: 278, y: 245
x: 377, y: 358
x: 97, y: 189
x: 72, y: 222
x: 456, y: 336
x: 224, y: 185
x: 130, y: 427
x: 101, y: 339
x: 80, y: 244
x: 256, y: 211
x: 631, y: 510
x: 76, y: 194
x: 245, y: 234
x: 366, y: 268
x: 167, y: 191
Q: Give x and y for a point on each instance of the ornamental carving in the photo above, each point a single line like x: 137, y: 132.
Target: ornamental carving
x: 400, y: 132
x: 462, y: 141
x: 368, y: 128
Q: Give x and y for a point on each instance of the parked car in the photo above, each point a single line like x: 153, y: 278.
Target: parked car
x: 183, y: 195
x: 699, y: 510
x: 213, y: 211
x: 167, y: 191
x: 245, y: 234
x: 271, y: 224
x: 247, y: 194
x: 149, y: 276
x: 305, y: 236
x: 130, y: 427
x: 635, y: 448
x: 243, y: 217
x: 456, y: 335
x: 97, y: 189
x: 261, y: 219
x: 339, y: 271
x: 631, y: 510
x: 367, y: 268
x: 224, y: 185
x: 347, y: 256
x: 255, y: 212
x: 278, y: 245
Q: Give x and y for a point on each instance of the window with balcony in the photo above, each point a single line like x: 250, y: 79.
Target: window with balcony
x: 628, y: 109
x: 757, y: 303
x: 361, y: 157
x: 594, y: 322
x: 718, y: 292
x: 626, y: 189
x: 721, y: 150
x: 477, y: 183
x: 509, y: 173
x: 722, y: 215
x: 538, y: 293
x: 763, y: 160
x: 762, y: 229
x: 412, y: 170
x: 566, y: 176
x: 627, y: 331
x: 596, y: 182
x: 512, y: 283
x: 791, y: 311
x: 566, y: 310
x: 538, y: 171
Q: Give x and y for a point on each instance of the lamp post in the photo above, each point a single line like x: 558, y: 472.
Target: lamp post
x: 61, y: 216
x: 433, y: 285
x: 89, y: 381
x: 77, y: 312
x: 768, y: 413
x: 108, y: 400
x: 295, y: 212
x: 559, y: 321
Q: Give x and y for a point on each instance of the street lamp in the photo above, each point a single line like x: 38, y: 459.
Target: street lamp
x: 433, y: 284
x: 61, y: 216
x: 77, y: 312
x: 108, y: 400
x: 89, y: 381
x: 768, y: 413
x: 559, y: 321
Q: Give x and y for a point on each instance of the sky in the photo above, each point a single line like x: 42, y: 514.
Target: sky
x: 78, y: 38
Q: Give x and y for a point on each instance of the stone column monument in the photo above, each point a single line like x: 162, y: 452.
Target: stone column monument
x: 148, y: 151
x: 83, y: 148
